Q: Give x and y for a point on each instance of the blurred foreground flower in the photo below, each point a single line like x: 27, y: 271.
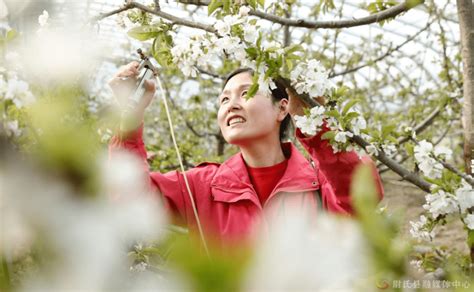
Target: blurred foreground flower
x: 83, y: 242
x: 43, y: 18
x: 302, y: 255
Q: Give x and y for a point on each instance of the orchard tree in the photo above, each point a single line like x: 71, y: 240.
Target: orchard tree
x: 403, y: 100
x: 403, y: 120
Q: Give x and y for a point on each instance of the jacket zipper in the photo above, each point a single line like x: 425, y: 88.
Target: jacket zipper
x: 290, y: 190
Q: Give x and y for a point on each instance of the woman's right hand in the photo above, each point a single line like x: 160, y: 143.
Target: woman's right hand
x: 123, y: 85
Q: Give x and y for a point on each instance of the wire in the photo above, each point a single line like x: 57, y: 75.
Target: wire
x: 193, y: 204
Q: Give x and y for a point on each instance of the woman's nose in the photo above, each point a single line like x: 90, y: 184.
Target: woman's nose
x: 234, y: 104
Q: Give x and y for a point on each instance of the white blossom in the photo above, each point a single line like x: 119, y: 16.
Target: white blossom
x: 440, y: 203
x: 442, y: 150
x: 43, y: 18
x: 419, y: 230
x: 317, y: 111
x: 426, y: 162
x: 228, y: 43
x: 244, y: 10
x: 250, y: 33
x: 18, y: 91
x: 358, y: 124
x: 264, y: 84
x: 423, y: 148
x: 371, y: 149
x: 469, y: 220
x: 105, y: 135
x: 13, y: 129
x: 189, y: 70
x: 311, y: 78
x: 140, y: 267
x: 306, y: 125
x: 417, y: 264
x: 465, y: 196
x: 389, y: 149
x: 224, y: 26
x: 341, y: 137
x: 3, y: 87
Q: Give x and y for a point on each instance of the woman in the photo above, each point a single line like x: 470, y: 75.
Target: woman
x: 264, y: 177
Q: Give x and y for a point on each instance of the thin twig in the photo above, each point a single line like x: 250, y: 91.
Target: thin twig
x: 113, y: 12
x: 451, y: 167
x: 214, y: 75
x: 380, y: 156
x: 383, y: 15
x: 422, y: 126
x: 388, y: 53
x: 170, y: 17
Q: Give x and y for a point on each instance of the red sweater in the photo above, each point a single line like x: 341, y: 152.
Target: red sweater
x: 264, y: 179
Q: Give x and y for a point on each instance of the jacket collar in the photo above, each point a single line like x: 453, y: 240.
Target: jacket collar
x: 233, y: 183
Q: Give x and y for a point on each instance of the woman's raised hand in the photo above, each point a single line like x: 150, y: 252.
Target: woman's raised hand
x: 123, y: 85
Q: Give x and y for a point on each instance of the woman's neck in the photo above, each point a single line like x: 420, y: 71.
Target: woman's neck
x: 263, y: 154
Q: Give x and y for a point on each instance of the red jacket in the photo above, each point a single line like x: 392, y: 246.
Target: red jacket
x: 227, y: 204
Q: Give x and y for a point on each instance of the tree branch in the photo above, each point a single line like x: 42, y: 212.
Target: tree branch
x: 113, y: 12
x: 389, y: 162
x: 159, y: 13
x: 376, y: 17
x: 423, y: 125
x: 388, y: 53
x: 451, y: 168
x: 383, y: 15
x: 214, y: 75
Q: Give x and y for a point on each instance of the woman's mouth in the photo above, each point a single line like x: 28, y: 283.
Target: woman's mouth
x: 235, y: 120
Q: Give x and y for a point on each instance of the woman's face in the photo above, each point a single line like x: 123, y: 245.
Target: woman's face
x: 245, y: 121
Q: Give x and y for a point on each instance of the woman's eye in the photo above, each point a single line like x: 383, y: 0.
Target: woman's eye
x: 244, y: 92
x: 225, y: 98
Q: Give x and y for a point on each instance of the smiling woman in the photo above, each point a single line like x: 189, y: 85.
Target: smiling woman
x: 267, y: 176
x: 256, y: 125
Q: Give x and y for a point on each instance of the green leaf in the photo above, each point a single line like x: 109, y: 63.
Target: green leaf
x: 289, y: 64
x: 213, y: 6
x: 363, y: 189
x: 409, y: 148
x: 143, y: 33
x: 329, y: 135
x: 11, y: 34
x: 413, y: 3
x: 350, y: 116
x: 252, y: 3
x: 252, y: 52
x: 349, y: 105
x: 387, y: 129
x: 254, y: 88
x: 293, y: 48
x: 333, y: 113
x: 470, y: 238
x: 392, y: 139
x: 261, y: 3
x: 259, y: 40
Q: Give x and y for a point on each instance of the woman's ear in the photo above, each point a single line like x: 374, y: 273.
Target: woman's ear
x: 283, y: 107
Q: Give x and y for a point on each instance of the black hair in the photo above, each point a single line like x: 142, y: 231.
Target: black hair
x: 278, y: 94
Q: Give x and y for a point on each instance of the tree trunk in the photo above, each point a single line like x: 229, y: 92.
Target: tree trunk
x: 466, y: 24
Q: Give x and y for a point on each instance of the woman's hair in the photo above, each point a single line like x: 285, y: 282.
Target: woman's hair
x: 277, y: 94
